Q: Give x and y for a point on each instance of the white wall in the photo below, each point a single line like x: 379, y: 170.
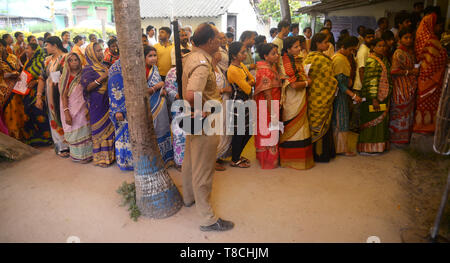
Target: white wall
x: 246, y: 18
x: 382, y: 9
x: 377, y: 10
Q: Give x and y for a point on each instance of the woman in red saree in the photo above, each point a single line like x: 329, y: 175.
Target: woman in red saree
x: 404, y: 77
x: 268, y: 88
x: 433, y: 59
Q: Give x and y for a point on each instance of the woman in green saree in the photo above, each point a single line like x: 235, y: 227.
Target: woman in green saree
x: 377, y: 89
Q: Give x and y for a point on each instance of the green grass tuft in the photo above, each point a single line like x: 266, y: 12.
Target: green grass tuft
x: 128, y: 193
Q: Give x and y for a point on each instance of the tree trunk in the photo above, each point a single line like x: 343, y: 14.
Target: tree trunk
x: 285, y: 10
x: 178, y: 60
x: 156, y: 194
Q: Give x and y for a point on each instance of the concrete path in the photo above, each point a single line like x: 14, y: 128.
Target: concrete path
x: 47, y: 199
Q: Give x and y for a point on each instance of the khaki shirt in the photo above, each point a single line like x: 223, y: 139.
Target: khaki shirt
x: 199, y: 76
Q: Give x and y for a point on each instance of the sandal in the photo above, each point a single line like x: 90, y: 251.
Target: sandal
x: 219, y: 167
x: 220, y: 161
x: 64, y: 154
x: 240, y: 164
x: 245, y: 160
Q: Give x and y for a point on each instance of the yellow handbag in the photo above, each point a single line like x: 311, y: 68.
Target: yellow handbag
x: 383, y: 107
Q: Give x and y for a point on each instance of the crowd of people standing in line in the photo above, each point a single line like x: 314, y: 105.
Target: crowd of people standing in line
x: 383, y: 85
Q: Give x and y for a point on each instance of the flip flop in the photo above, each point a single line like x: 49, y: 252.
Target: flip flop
x: 64, y: 154
x: 219, y: 167
x: 240, y: 164
x: 245, y: 160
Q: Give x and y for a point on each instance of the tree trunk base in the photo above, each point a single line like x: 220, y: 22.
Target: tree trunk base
x: 162, y: 199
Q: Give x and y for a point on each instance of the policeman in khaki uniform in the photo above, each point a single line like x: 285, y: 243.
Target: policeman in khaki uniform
x: 200, y: 150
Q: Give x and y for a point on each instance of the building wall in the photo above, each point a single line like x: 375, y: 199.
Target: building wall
x: 382, y: 9
x: 246, y: 18
x: 193, y: 22
x: 377, y: 10
x: 91, y: 11
x: 60, y: 21
x: 387, y: 9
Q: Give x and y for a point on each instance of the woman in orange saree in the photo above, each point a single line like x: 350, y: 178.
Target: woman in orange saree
x: 295, y: 143
x: 433, y: 59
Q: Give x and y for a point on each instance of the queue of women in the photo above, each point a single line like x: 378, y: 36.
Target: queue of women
x: 75, y: 101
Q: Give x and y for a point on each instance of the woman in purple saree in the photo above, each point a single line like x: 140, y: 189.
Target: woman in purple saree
x: 94, y: 80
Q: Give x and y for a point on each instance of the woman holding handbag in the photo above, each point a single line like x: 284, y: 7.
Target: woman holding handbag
x: 241, y: 82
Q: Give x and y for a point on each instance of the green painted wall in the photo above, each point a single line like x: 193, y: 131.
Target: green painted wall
x: 93, y: 4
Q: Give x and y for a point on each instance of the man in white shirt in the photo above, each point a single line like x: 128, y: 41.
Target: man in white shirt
x: 151, y: 35
x: 361, y: 57
x: 84, y: 46
x: 273, y: 34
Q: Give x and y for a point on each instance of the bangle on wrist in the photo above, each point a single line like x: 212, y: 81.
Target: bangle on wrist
x: 354, y: 96
x: 98, y: 83
x: 66, y: 109
x: 306, y: 82
x: 407, y: 72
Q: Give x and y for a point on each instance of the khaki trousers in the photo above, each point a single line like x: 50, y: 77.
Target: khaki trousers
x: 197, y: 171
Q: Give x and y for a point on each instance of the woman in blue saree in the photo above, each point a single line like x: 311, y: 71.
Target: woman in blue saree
x: 158, y: 105
x: 118, y: 115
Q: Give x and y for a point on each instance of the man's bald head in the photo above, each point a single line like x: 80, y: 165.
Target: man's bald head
x: 206, y: 36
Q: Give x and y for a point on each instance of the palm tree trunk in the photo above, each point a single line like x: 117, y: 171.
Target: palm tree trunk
x: 156, y: 194
x: 285, y: 10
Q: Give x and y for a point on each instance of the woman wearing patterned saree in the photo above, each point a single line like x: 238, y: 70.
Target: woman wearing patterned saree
x: 268, y: 89
x: 118, y: 115
x: 179, y: 139
x: 404, y: 77
x: 74, y: 117
x: 36, y: 127
x: 341, y: 114
x: 94, y: 81
x: 433, y: 58
x: 295, y: 143
x: 10, y: 107
x: 374, y: 136
x: 224, y: 147
x: 53, y: 63
x: 321, y: 95
x: 158, y: 105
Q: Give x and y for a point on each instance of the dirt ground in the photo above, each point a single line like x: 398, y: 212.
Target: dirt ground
x: 47, y: 199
